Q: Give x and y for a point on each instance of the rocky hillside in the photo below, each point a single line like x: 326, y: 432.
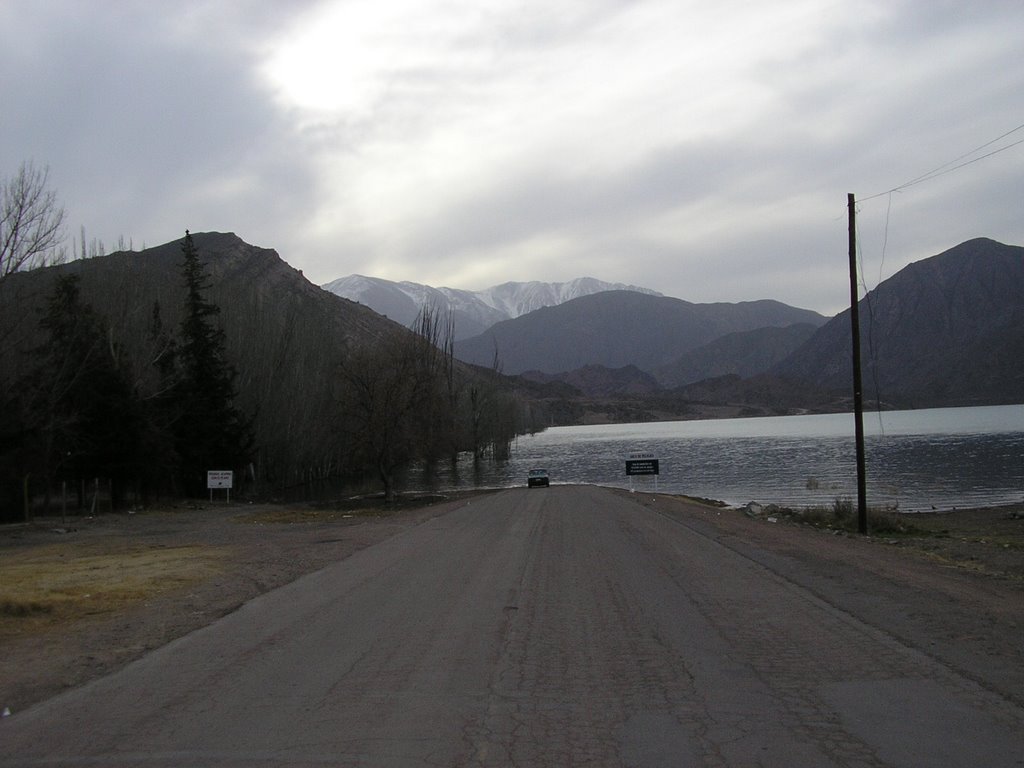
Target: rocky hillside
x: 743, y: 354
x: 284, y: 335
x: 948, y: 330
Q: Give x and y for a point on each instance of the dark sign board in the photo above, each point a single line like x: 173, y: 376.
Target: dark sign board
x: 641, y: 466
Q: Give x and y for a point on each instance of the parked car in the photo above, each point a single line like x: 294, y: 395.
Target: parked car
x: 537, y: 478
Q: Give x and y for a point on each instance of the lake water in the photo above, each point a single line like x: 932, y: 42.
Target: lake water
x: 917, y: 460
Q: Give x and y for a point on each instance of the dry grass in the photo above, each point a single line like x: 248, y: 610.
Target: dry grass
x: 987, y: 540
x: 291, y: 515
x: 50, y: 585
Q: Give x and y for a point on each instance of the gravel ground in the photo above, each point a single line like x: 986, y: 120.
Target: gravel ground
x: 224, y: 556
x: 180, y: 569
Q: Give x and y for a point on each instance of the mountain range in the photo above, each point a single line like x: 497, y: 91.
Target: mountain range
x: 473, y: 312
x: 619, y: 328
x: 947, y: 330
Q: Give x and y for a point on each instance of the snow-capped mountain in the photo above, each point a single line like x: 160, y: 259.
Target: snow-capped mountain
x: 473, y: 311
x: 515, y: 299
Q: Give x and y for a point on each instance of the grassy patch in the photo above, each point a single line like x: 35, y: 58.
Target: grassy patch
x: 842, y: 516
x: 292, y: 515
x: 50, y: 585
x: 372, y: 505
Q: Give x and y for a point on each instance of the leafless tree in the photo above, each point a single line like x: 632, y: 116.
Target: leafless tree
x: 31, y: 220
x: 396, y: 400
x: 488, y: 412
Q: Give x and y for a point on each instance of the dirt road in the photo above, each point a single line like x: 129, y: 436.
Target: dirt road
x: 574, y: 626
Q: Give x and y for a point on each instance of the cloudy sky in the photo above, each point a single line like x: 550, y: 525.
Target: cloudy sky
x: 703, y: 148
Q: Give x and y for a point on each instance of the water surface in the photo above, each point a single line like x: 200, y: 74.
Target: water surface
x: 916, y: 460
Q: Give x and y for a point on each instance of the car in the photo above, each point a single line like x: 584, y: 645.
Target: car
x: 537, y: 478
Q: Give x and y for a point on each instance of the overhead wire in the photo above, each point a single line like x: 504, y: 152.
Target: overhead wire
x: 954, y: 164
x: 947, y: 167
x: 872, y: 344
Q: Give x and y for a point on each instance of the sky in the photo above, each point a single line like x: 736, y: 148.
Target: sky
x: 702, y: 148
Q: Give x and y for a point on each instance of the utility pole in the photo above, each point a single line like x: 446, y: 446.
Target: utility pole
x: 858, y: 398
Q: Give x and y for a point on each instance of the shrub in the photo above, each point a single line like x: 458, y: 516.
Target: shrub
x: 840, y: 515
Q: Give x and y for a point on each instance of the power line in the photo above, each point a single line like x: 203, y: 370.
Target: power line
x: 947, y: 167
x: 954, y: 164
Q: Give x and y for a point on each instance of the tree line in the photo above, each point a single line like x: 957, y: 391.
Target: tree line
x: 406, y: 398
x: 78, y: 414
x: 111, y: 397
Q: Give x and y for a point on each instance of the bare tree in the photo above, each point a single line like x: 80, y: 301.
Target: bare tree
x: 395, y: 399
x: 31, y: 220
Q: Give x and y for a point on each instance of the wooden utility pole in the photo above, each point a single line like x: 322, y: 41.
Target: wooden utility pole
x: 858, y: 398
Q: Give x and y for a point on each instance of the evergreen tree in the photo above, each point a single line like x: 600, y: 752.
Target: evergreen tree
x: 162, y: 410
x: 85, y: 412
x: 15, y: 453
x: 211, y: 433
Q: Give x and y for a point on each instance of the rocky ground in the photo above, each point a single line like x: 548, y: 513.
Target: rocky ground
x: 985, y: 540
x: 83, y: 596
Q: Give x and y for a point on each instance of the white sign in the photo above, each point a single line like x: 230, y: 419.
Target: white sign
x: 220, y: 478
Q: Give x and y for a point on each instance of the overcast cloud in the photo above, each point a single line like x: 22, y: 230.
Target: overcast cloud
x: 704, y: 149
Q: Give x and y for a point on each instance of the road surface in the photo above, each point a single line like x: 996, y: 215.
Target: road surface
x: 569, y: 626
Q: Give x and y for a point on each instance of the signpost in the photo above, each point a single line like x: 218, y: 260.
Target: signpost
x: 642, y: 464
x: 220, y: 478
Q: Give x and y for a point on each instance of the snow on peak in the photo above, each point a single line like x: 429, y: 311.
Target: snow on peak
x: 474, y: 311
x: 515, y: 299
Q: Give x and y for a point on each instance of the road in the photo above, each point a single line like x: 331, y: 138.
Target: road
x: 569, y: 626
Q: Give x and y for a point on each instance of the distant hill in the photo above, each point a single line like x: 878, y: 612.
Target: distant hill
x: 284, y: 335
x: 743, y: 354
x: 947, y: 330
x: 598, y: 381
x: 473, y: 311
x: 615, y: 329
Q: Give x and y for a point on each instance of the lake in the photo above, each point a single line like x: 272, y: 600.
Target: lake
x: 916, y: 460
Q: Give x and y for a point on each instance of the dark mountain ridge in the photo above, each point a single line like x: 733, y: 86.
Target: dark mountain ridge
x: 947, y: 330
x: 743, y: 354
x: 598, y: 381
x: 615, y: 329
